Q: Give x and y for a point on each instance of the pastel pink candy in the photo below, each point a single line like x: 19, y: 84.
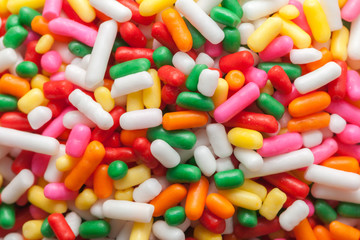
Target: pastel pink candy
x: 280, y: 144
x: 51, y: 61
x: 278, y: 47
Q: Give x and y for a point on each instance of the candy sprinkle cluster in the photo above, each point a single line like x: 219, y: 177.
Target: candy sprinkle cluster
x: 180, y: 119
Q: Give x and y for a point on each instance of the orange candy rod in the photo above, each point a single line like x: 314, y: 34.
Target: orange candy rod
x: 342, y: 231
x: 310, y: 122
x: 309, y: 104
x: 103, y: 184
x: 184, y: 119
x: 235, y: 79
x: 168, y: 198
x: 326, y: 57
x: 195, y: 200
x: 178, y: 29
x: 13, y: 85
x: 344, y: 163
x: 92, y: 157
x: 219, y: 205
x: 40, y: 26
x: 127, y: 137
x: 322, y: 233
x: 303, y: 231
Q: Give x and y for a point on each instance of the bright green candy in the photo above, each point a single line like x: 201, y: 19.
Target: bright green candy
x: 94, y: 229
x: 193, y: 79
x: 183, y: 173
x: 270, y: 105
x: 162, y: 56
x: 198, y: 38
x: 247, y: 217
x: 129, y: 67
x: 324, y: 211
x: 7, y: 103
x: 224, y: 16
x: 117, y: 170
x: 195, y: 101
x: 292, y: 70
x: 231, y: 42
x: 183, y: 139
x: 118, y: 43
x: 15, y: 37
x: 229, y: 179
x: 175, y: 216
x: 350, y: 210
x: 26, y: 69
x: 12, y: 21
x: 46, y: 230
x: 26, y: 15
x: 79, y: 49
x: 7, y: 216
x: 233, y: 5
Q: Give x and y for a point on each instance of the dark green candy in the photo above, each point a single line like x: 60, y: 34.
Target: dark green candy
x: 351, y: 210
x: 270, y: 105
x: 15, y: 37
x: 247, y: 217
x: 129, y: 67
x: 292, y: 70
x: 175, y: 216
x: 12, y: 21
x: 232, y: 40
x: 7, y: 103
x: 26, y: 69
x: 94, y: 229
x: 162, y: 56
x: 198, y: 38
x: 26, y: 15
x: 117, y: 170
x: 46, y: 230
x: 183, y: 139
x: 7, y: 216
x: 193, y: 79
x: 183, y: 173
x: 324, y: 211
x: 229, y: 179
x: 234, y: 6
x: 224, y: 16
x: 79, y: 49
x: 195, y: 101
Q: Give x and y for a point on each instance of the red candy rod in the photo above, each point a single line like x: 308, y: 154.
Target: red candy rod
x: 60, y: 227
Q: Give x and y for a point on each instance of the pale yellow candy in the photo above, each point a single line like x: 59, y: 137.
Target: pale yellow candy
x: 201, y: 233
x: 3, y: 8
x: 66, y: 163
x: 134, y: 101
x: 38, y: 81
x: 103, y: 97
x: 37, y: 198
x: 241, y: 198
x: 254, y: 187
x: 14, y: 5
x: 316, y: 18
x: 300, y: 38
x: 31, y: 100
x: 152, y: 95
x: 85, y: 199
x: 32, y: 229
x: 126, y: 194
x: 289, y: 12
x: 339, y: 42
x: 141, y: 231
x: 245, y: 138
x: 44, y: 44
x: 83, y: 9
x: 152, y: 7
x: 134, y: 176
x: 220, y: 94
x: 272, y: 204
x: 264, y: 34
x: 268, y: 88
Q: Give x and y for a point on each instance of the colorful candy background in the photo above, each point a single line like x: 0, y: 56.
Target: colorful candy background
x: 180, y: 119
